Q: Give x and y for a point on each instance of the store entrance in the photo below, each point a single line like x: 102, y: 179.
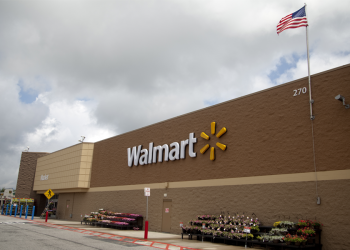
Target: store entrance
x: 53, y: 206
x: 167, y: 210
x: 50, y: 208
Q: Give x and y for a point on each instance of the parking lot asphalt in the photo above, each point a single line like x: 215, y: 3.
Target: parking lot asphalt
x: 16, y: 233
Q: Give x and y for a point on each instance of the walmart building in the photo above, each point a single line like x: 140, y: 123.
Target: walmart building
x: 259, y: 153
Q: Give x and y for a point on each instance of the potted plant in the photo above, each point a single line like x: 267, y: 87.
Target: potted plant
x: 306, y: 232
x: 288, y: 239
x: 185, y: 229
x: 194, y: 230
x: 254, y: 229
x: 304, y: 240
x: 276, y: 224
x: 217, y: 233
x: 302, y: 223
x: 249, y: 236
x: 286, y: 224
x: 276, y: 239
x: 316, y: 225
x: 225, y: 234
x: 298, y: 240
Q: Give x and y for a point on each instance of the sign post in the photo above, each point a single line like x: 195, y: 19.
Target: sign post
x: 247, y: 231
x: 20, y: 213
x: 203, y: 227
x: 147, y: 193
x: 49, y: 193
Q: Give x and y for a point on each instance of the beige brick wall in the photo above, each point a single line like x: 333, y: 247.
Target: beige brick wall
x: 66, y: 169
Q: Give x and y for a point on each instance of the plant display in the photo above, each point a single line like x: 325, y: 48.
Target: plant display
x: 111, y: 218
x: 233, y: 227
x: 223, y: 226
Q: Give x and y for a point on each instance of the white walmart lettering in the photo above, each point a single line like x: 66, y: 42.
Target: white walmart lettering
x: 44, y: 177
x: 137, y: 155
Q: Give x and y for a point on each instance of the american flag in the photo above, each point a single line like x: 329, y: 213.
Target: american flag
x: 292, y: 21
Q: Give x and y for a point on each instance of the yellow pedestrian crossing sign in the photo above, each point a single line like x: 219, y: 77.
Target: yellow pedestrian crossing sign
x: 49, y: 194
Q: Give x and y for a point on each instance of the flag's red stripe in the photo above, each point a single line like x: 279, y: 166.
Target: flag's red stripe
x: 287, y: 17
x: 295, y: 20
x: 295, y: 23
x: 292, y: 23
x: 292, y: 27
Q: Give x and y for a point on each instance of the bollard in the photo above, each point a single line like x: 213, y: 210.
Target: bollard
x: 26, y: 211
x: 11, y: 210
x: 7, y: 208
x: 20, y: 213
x: 146, y: 229
x: 47, y: 215
x: 33, y: 212
x: 16, y: 211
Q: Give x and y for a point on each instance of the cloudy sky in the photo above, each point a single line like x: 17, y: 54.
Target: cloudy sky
x: 101, y: 68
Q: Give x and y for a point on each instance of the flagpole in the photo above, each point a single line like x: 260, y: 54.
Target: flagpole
x: 312, y: 117
x: 308, y: 68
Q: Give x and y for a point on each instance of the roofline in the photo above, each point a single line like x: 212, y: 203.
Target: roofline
x: 61, y: 148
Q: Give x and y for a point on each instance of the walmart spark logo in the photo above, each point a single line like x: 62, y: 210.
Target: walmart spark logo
x: 218, y: 144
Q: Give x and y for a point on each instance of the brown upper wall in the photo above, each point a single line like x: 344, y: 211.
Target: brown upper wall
x: 268, y: 133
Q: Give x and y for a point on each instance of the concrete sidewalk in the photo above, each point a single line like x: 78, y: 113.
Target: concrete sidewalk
x: 155, y: 239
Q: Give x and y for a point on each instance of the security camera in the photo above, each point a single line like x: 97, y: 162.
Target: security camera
x: 342, y: 99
